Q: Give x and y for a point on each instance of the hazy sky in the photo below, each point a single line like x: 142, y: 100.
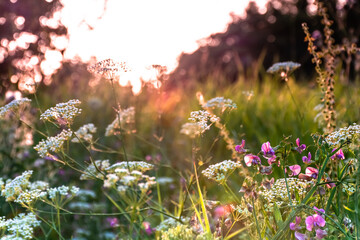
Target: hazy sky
x: 144, y: 32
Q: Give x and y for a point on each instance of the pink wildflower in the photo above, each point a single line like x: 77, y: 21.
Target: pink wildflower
x: 251, y: 159
x: 300, y: 148
x: 307, y: 159
x: 148, y: 229
x: 268, y: 151
x: 240, y: 148
x: 295, y: 170
x: 312, y: 172
x: 320, y: 234
x: 266, y: 169
x: 300, y: 236
x: 339, y: 155
x: 296, y: 226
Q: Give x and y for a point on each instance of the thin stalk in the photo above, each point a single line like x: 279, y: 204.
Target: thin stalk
x: 293, y: 99
x: 256, y: 221
x: 356, y: 196
x: 228, y: 189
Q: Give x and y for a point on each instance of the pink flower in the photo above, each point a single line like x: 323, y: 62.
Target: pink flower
x: 320, y: 234
x: 267, y: 150
x: 300, y: 236
x: 300, y: 148
x: 338, y: 155
x: 272, y: 160
x: 307, y: 159
x: 113, y: 222
x: 311, y: 172
x: 240, y: 148
x: 296, y: 226
x: 222, y: 211
x: 148, y: 229
x: 315, y: 220
x: 295, y: 170
x: 251, y: 159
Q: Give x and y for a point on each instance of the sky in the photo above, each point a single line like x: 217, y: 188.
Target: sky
x: 144, y: 32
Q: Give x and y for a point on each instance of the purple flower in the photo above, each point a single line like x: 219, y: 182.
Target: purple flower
x: 307, y: 159
x: 113, y: 222
x: 296, y: 226
x: 251, y: 159
x: 300, y: 236
x: 311, y: 172
x: 300, y: 148
x: 272, y: 160
x: 240, y: 148
x: 315, y: 220
x: 320, y: 234
x: 148, y: 229
x: 295, y: 170
x: 267, y: 150
x: 338, y: 155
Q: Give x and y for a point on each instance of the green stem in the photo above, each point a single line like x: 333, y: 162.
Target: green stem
x: 256, y: 221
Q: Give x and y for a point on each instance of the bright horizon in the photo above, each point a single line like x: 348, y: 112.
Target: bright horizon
x: 143, y: 33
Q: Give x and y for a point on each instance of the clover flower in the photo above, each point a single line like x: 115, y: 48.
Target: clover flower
x: 351, y: 132
x: 84, y: 133
x: 20, y: 227
x: 13, y: 106
x: 221, y: 103
x: 221, y: 171
x: 109, y: 69
x: 300, y: 147
x: 62, y: 112
x: 339, y: 155
x: 281, y: 67
x: 53, y: 144
x: 126, y: 117
x: 307, y: 159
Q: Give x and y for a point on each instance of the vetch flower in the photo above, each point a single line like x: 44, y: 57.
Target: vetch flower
x: 268, y: 151
x: 295, y: 170
x: 307, y: 159
x: 339, y: 155
x: 148, y: 229
x: 300, y: 148
x: 312, y: 172
x: 315, y: 220
x: 301, y: 236
x: 320, y: 233
x: 251, y: 159
x: 240, y: 148
x: 265, y: 169
x: 296, y: 226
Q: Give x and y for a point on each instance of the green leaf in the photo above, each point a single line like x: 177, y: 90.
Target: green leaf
x: 277, y: 215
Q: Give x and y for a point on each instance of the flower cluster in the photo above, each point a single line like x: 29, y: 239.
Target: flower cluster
x: 131, y: 166
x: 177, y: 233
x: 91, y: 172
x: 109, y: 69
x: 313, y: 223
x: 62, y: 112
x: 20, y: 227
x: 126, y: 117
x: 221, y: 103
x: 62, y: 191
x: 351, y: 132
x: 13, y: 106
x: 53, y: 144
x: 277, y: 193
x: 199, y: 123
x: 281, y: 67
x: 221, y: 171
x: 84, y: 133
x: 13, y: 188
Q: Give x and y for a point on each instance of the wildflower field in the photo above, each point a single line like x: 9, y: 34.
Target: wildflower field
x: 272, y: 159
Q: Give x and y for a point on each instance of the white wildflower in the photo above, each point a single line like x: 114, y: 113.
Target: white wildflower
x: 351, y: 132
x: 92, y: 173
x: 21, y: 227
x: 281, y: 67
x: 221, y: 171
x: 131, y: 165
x: 53, y: 144
x: 127, y: 116
x: 15, y: 187
x: 109, y: 69
x: 13, y: 106
x: 191, y: 129
x: 62, y: 112
x: 169, y: 223
x: 221, y: 103
x: 85, y: 133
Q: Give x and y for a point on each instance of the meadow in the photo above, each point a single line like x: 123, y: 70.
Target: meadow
x: 276, y: 158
